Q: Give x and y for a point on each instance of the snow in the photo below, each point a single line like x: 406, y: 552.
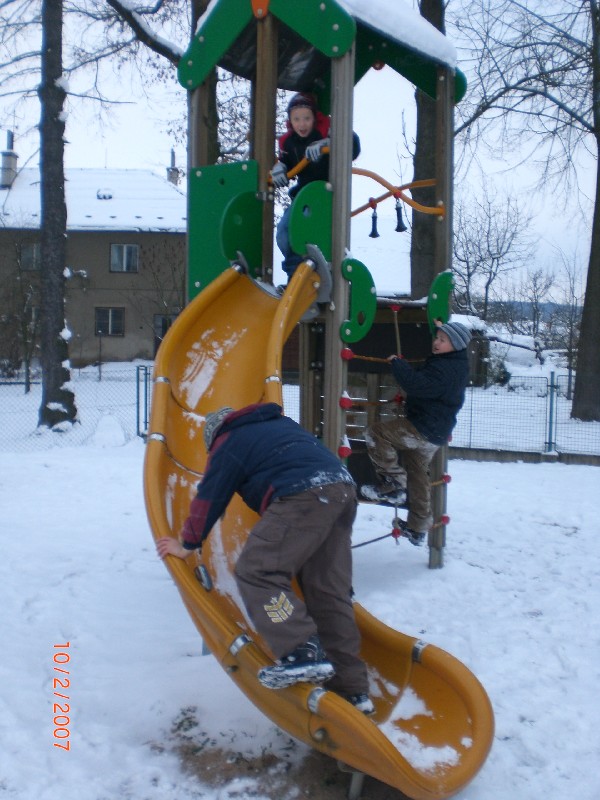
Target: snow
x: 100, y: 199
x: 402, y: 24
x: 405, y: 25
x: 514, y: 602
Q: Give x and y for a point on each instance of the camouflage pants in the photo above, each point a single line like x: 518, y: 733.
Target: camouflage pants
x: 306, y: 536
x: 397, y: 450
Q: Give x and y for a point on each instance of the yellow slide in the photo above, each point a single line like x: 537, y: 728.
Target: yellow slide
x: 433, y: 725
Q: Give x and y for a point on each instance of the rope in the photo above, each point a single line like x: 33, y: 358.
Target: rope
x: 378, y: 539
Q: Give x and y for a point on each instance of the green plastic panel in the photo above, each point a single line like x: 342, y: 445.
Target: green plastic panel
x: 311, y: 218
x: 218, y: 32
x: 323, y: 23
x: 326, y: 26
x: 211, y: 190
x: 438, y: 299
x: 241, y: 229
x: 363, y: 301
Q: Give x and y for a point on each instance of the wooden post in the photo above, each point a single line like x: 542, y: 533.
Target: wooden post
x: 310, y: 378
x: 444, y: 167
x: 340, y: 174
x: 443, y: 261
x: 263, y: 128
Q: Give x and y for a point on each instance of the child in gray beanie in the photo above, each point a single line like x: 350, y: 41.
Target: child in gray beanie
x: 459, y: 334
x: 435, y: 393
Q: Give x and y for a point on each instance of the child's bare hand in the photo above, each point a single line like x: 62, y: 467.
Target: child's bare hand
x: 167, y: 546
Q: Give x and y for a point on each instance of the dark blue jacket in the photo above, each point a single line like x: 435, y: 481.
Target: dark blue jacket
x: 293, y: 151
x: 261, y: 454
x: 435, y: 392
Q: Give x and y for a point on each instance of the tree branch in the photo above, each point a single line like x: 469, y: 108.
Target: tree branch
x: 143, y: 33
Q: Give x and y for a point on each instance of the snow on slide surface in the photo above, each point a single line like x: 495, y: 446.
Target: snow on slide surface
x: 433, y: 726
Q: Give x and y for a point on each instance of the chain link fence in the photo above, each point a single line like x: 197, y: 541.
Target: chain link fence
x: 110, y: 407
x: 530, y: 414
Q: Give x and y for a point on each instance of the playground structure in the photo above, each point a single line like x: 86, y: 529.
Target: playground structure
x: 433, y: 725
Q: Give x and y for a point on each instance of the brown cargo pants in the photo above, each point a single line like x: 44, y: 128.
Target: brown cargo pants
x: 306, y: 536
x: 397, y: 450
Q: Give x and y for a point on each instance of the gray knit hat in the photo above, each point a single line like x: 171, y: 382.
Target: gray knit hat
x: 459, y: 335
x: 213, y: 422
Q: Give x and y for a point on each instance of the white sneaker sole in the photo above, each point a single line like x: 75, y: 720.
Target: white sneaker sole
x: 366, y: 708
x: 280, y: 677
x: 371, y: 493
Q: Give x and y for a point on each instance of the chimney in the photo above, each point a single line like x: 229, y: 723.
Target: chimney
x: 8, y: 171
x: 173, y: 173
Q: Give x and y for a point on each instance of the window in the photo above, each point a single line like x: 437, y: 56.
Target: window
x: 162, y: 323
x: 110, y: 322
x: 30, y: 256
x: 124, y: 257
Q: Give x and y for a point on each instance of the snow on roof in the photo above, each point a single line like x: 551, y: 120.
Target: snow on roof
x: 393, y: 19
x: 100, y: 199
x: 396, y: 20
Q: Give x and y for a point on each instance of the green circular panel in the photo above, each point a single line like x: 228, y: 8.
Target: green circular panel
x: 241, y: 229
x: 310, y: 220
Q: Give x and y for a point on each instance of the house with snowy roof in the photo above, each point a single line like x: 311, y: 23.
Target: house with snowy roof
x: 126, y: 233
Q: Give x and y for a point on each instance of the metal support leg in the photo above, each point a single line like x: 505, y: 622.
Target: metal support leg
x: 356, y: 785
x: 357, y: 780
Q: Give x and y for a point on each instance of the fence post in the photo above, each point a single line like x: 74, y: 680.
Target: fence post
x: 137, y: 400
x: 141, y: 419
x: 550, y: 444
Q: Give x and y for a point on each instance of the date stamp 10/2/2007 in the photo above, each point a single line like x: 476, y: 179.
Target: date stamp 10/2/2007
x: 61, y: 684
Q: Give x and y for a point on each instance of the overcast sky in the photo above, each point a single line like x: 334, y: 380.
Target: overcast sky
x: 136, y: 135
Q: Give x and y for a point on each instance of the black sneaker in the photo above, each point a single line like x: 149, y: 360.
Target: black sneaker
x: 388, y: 492
x: 362, y: 702
x: 306, y: 664
x: 415, y: 537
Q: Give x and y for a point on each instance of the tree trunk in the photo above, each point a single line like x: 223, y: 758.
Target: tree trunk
x: 58, y: 401
x: 586, y: 397
x: 422, y: 245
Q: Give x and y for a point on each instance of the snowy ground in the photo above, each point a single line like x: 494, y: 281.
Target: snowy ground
x: 151, y: 718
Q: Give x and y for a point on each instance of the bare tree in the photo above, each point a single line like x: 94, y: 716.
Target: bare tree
x: 535, y: 77
x: 422, y: 270
x: 58, y: 401
x: 164, y: 290
x: 228, y: 95
x: 491, y: 239
x: 564, y: 325
x: 20, y: 304
x: 144, y: 24
x: 534, y: 291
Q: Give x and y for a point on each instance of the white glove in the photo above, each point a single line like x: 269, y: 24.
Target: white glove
x: 313, y: 151
x: 279, y: 175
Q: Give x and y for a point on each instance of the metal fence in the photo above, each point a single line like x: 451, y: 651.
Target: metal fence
x: 109, y: 405
x: 527, y: 415
x: 530, y: 414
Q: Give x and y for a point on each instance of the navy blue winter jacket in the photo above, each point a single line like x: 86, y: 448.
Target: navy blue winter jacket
x: 294, y: 150
x: 435, y: 392
x: 261, y: 454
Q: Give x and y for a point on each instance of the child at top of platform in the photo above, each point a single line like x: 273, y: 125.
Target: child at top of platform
x: 435, y: 393
x: 307, y: 134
